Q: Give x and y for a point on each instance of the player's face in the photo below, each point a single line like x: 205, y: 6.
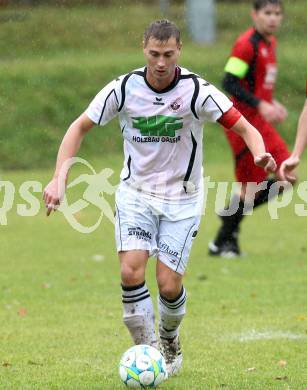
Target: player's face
x: 161, y: 58
x: 267, y: 19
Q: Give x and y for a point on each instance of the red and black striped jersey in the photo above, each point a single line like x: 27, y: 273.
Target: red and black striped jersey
x: 261, y: 71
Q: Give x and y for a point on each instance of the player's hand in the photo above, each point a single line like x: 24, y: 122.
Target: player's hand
x: 269, y: 112
x: 287, y: 167
x: 266, y: 161
x: 282, y: 112
x: 53, y: 195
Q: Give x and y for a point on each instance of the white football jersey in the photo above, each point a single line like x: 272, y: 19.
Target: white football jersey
x: 162, y: 130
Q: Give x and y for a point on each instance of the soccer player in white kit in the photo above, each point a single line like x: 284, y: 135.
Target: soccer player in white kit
x: 162, y: 109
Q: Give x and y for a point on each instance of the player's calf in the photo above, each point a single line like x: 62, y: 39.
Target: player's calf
x: 171, y: 313
x: 139, y: 315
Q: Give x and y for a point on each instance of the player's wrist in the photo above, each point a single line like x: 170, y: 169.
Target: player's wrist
x: 254, y: 102
x: 261, y: 104
x: 295, y: 156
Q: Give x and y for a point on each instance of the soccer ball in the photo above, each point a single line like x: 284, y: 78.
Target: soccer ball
x: 142, y: 366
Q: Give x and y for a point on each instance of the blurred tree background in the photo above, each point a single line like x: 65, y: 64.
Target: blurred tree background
x: 100, y: 2
x: 95, y: 2
x: 54, y: 60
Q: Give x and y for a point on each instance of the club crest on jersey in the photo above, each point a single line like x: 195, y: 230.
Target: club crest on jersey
x: 264, y: 52
x: 176, y: 105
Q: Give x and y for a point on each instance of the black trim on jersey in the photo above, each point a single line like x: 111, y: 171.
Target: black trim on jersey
x: 250, y: 76
x: 191, y: 162
x: 194, y: 77
x: 105, y: 103
x: 189, y: 76
x: 123, y: 90
x: 172, y: 85
x: 124, y: 127
x: 232, y: 85
x: 129, y: 168
x: 123, y: 86
x: 139, y: 72
x: 241, y: 154
x: 116, y: 97
x: 195, y: 95
x: 209, y: 96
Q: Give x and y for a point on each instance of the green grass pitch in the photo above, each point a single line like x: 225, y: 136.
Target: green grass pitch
x: 60, y: 302
x: 60, y: 297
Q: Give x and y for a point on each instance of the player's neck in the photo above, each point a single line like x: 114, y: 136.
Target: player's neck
x: 265, y: 36
x: 159, y: 84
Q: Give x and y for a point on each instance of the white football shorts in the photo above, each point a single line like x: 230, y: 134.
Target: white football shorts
x: 166, y: 230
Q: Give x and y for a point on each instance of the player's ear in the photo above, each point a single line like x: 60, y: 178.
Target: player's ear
x: 144, y: 47
x: 254, y: 15
x: 179, y: 46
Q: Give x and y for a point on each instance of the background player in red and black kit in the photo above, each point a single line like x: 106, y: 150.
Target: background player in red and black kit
x: 250, y: 75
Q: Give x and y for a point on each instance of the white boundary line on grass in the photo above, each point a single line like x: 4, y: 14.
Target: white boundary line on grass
x: 255, y: 335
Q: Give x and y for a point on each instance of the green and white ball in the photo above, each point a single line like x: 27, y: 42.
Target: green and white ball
x: 142, y: 366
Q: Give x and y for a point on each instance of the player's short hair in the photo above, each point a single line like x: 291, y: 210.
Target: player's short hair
x: 162, y: 30
x: 259, y: 4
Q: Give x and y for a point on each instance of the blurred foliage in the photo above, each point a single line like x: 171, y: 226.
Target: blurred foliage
x: 53, y: 61
x: 73, y: 3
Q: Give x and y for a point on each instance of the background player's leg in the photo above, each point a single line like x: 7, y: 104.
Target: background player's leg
x: 226, y: 242
x: 138, y: 313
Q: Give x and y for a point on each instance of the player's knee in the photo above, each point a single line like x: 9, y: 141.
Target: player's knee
x: 169, y: 289
x: 169, y: 283
x: 131, y: 275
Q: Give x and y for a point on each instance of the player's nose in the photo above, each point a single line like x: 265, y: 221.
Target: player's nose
x: 161, y: 62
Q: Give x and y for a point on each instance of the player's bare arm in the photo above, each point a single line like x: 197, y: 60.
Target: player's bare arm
x: 69, y: 147
x: 281, y: 109
x: 301, y: 138
x: 270, y: 112
x: 287, y: 167
x: 254, y: 141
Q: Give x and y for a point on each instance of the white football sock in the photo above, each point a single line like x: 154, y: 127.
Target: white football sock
x: 171, y: 313
x: 139, y: 314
